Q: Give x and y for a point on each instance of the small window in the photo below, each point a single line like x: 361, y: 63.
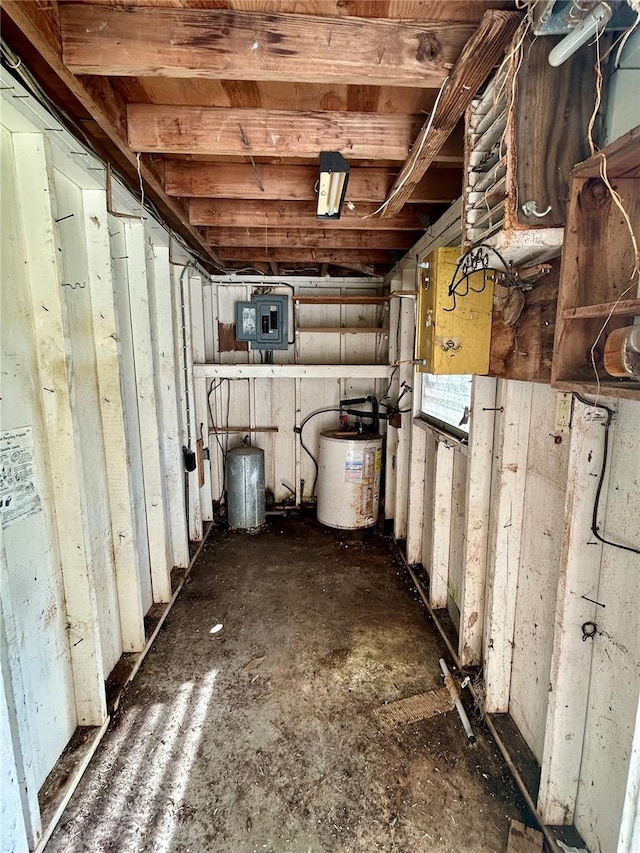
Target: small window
x: 446, y: 403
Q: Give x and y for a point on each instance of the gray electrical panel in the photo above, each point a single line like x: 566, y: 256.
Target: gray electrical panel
x: 263, y: 322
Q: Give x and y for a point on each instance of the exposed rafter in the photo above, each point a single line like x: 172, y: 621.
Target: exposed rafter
x: 281, y: 133
x: 337, y: 257
x: 237, y: 45
x: 473, y: 67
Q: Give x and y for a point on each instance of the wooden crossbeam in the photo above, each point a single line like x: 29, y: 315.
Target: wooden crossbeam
x: 234, y: 213
x: 238, y: 45
x: 298, y: 183
x: 266, y: 238
x: 281, y: 133
x: 473, y: 67
x: 337, y: 257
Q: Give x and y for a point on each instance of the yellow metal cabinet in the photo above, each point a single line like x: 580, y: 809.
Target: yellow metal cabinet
x: 458, y: 340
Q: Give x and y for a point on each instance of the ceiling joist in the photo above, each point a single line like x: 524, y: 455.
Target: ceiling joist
x: 282, y: 254
x: 281, y: 133
x: 298, y: 183
x: 266, y: 238
x: 238, y: 45
x: 232, y: 213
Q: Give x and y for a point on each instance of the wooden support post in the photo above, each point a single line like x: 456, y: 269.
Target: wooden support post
x: 405, y: 374
x: 392, y: 433
x: 146, y: 392
x: 505, y: 535
x: 415, y: 514
x: 34, y: 190
x: 162, y: 332
x: 441, y: 531
x: 478, y: 491
x: 184, y: 363
x: 200, y: 392
x: 571, y: 660
x: 96, y: 229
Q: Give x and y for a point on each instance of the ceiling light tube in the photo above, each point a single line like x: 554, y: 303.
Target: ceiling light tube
x: 591, y: 24
x: 332, y: 184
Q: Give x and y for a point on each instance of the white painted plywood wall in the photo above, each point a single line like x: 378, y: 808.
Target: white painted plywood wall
x: 89, y: 345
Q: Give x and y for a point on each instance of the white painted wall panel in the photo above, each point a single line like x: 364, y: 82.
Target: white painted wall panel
x: 615, y: 671
x: 539, y: 571
x: 32, y: 580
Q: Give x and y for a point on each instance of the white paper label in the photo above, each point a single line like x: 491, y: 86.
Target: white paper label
x: 19, y: 497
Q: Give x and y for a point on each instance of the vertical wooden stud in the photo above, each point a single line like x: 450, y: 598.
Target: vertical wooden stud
x: 125, y: 546
x: 571, y: 659
x: 33, y: 186
x: 200, y: 390
x: 441, y: 531
x: 507, y: 506
x: 162, y: 333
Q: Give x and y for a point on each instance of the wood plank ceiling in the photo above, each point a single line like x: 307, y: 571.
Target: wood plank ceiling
x: 228, y: 105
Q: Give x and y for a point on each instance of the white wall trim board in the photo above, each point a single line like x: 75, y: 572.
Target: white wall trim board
x: 572, y: 657
x: 505, y: 534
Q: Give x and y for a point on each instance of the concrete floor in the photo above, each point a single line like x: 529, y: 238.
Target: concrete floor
x: 261, y: 737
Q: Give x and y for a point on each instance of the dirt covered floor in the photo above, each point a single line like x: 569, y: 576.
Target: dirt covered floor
x: 261, y: 736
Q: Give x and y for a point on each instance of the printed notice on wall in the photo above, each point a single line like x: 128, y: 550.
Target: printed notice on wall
x: 19, y: 497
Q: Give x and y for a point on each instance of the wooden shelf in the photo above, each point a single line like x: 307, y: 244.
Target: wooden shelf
x: 341, y: 300
x: 342, y: 330
x: 597, y: 292
x: 624, y: 308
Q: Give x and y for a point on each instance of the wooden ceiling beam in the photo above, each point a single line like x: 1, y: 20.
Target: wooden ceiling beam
x: 38, y: 24
x: 474, y: 65
x: 281, y: 133
x: 292, y: 238
x: 284, y: 254
x: 298, y: 183
x: 233, y: 213
x: 236, y: 45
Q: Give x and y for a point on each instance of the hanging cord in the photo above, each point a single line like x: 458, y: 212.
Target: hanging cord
x: 605, y: 453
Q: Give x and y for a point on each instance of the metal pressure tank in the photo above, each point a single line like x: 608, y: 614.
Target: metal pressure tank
x: 349, y: 469
x: 246, y: 503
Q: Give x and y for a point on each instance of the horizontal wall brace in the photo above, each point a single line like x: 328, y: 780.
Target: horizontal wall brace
x: 292, y: 371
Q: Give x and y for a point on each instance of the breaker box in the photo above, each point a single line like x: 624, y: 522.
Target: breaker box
x: 454, y: 334
x: 264, y: 322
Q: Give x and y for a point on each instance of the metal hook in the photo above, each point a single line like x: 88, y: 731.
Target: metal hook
x: 530, y: 208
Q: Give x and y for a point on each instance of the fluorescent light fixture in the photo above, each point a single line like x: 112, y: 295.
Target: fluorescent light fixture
x: 595, y: 21
x: 332, y: 185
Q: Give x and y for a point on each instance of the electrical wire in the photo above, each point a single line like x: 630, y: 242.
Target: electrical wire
x: 605, y: 453
x: 299, y: 429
